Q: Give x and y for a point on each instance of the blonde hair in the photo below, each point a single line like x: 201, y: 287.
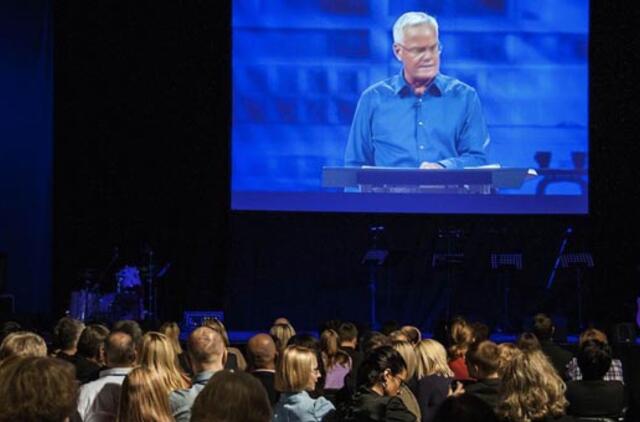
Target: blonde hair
x: 592, y: 334
x: 461, y: 338
x: 530, y: 389
x: 281, y: 333
x: 432, y: 359
x: 406, y: 350
x: 413, y: 334
x: 172, y: 331
x: 330, y: 351
x: 22, y: 344
x: 506, y: 352
x: 158, y: 354
x: 295, y: 369
x: 144, y: 397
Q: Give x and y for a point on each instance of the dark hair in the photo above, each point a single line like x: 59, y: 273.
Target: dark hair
x: 373, y: 340
x: 464, y: 408
x: 37, y: 389
x: 119, y: 348
x: 130, y: 327
x: 389, y: 327
x: 91, y: 339
x: 9, y: 327
x: 480, y: 331
x: 528, y: 341
x: 378, y: 361
x: 66, y: 332
x: 485, y: 356
x: 347, y: 331
x: 232, y: 397
x: 594, y: 359
x: 542, y: 327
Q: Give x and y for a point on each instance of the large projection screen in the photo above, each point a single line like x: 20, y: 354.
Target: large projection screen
x: 300, y: 70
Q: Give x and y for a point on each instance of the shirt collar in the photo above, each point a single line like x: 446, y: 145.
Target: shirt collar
x: 401, y: 87
x: 115, y: 372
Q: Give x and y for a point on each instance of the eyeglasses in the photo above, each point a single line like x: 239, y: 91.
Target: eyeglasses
x: 435, y: 49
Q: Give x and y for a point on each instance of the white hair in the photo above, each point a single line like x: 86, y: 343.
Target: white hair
x: 412, y: 19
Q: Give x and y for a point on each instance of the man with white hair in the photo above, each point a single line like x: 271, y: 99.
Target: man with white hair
x: 419, y: 117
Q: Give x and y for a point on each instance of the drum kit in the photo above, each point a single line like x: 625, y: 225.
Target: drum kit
x: 126, y: 302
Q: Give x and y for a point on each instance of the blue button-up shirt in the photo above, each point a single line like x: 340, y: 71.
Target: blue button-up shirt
x: 393, y: 127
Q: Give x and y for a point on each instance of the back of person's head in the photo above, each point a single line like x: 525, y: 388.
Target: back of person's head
x: 480, y: 331
x: 461, y: 337
x: 304, y: 340
x: 592, y: 334
x: 432, y: 359
x: 594, y: 359
x: 218, y: 325
x: 409, y: 356
x: 172, y: 331
x: 22, y: 343
x: 379, y: 360
x: 295, y: 369
x: 158, y: 354
x: 67, y: 333
x: 543, y: 327
x: 143, y: 397
x: 281, y: 334
x: 347, y: 332
x: 130, y: 327
x: 413, y: 334
x: 464, y: 408
x: 483, y: 359
x: 119, y: 349
x: 530, y: 389
x: 206, y: 346
x: 528, y: 341
x: 507, y: 352
x: 389, y: 326
x: 37, y: 389
x: 398, y: 335
x: 261, y: 352
x: 232, y: 397
x: 91, y: 342
x: 372, y: 340
x: 330, y: 350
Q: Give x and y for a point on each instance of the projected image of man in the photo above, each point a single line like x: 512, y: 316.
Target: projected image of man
x: 419, y: 117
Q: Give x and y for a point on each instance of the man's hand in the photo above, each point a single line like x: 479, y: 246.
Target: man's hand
x: 428, y: 165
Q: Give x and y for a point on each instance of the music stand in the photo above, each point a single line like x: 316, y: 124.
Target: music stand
x: 505, y: 264
x: 578, y: 261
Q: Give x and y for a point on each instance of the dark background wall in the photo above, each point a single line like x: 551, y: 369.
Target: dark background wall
x: 26, y: 151
x: 141, y: 158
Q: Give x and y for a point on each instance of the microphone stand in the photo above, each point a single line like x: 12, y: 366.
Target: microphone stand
x: 556, y: 265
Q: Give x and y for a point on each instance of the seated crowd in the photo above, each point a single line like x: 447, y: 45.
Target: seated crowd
x: 93, y: 373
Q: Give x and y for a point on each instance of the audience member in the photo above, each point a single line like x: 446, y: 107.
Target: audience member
x: 232, y: 397
x: 544, y: 329
x: 434, y: 377
x: 66, y: 334
x: 90, y: 356
x: 261, y: 360
x: 132, y: 328
x: 310, y: 342
x: 507, y: 352
x: 172, y: 331
x: 9, y: 327
x: 159, y: 355
x: 379, y: 379
x: 144, y: 397
x: 461, y: 337
x: 337, y: 363
x: 235, y: 358
x: 22, y: 344
x: 409, y: 387
x: 480, y: 331
x: 348, y: 334
x: 614, y: 373
x: 281, y: 332
x: 528, y: 341
x: 389, y: 327
x: 99, y: 399
x: 297, y: 374
x: 531, y: 390
x: 372, y: 340
x: 36, y: 389
x: 398, y: 335
x: 483, y: 361
x: 465, y: 408
x: 593, y: 396
x: 207, y: 353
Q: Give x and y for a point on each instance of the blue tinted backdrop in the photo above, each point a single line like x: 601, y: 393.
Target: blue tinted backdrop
x: 300, y: 67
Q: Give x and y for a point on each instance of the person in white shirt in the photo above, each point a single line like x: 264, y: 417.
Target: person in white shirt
x: 99, y: 400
